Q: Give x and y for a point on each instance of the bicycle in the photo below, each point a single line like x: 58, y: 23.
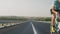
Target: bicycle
x: 55, y: 29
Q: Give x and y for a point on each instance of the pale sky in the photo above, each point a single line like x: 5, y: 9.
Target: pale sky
x: 25, y: 7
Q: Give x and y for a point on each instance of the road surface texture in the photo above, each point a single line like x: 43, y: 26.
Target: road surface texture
x: 30, y: 27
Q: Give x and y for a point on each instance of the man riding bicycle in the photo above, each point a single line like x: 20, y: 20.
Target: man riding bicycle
x: 55, y: 10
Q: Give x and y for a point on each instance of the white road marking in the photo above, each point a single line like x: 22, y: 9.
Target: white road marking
x: 35, y: 32
x: 1, y: 26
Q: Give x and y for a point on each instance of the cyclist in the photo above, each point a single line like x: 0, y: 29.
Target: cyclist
x: 55, y: 10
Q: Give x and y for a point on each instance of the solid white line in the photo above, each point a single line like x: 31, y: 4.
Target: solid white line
x: 1, y: 26
x: 35, y: 32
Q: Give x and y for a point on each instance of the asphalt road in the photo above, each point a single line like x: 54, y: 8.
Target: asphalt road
x: 30, y: 27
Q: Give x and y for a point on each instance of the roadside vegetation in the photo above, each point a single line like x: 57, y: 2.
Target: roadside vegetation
x: 22, y: 18
x: 44, y: 19
x: 13, y: 18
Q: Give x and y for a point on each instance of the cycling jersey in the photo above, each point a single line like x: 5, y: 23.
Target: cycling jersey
x: 57, y: 5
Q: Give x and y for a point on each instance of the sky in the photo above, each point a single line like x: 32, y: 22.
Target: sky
x: 25, y: 8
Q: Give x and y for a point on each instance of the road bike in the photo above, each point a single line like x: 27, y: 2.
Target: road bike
x: 54, y: 29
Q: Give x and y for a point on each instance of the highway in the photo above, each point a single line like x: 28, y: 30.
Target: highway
x: 29, y: 27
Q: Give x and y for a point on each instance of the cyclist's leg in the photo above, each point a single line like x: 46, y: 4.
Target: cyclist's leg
x: 54, y: 14
x: 53, y: 21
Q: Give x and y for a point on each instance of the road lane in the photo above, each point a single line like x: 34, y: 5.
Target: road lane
x: 27, y: 28
x: 42, y: 28
x: 24, y: 28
